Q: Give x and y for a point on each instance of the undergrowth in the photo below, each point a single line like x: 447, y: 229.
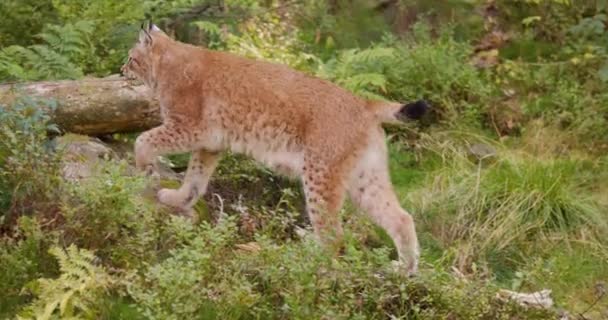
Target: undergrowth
x: 29, y: 168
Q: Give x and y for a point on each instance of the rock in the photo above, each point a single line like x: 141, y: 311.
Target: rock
x: 481, y: 152
x: 81, y: 154
x: 540, y: 299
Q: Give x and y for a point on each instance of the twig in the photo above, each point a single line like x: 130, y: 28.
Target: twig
x: 601, y: 295
x: 221, y: 201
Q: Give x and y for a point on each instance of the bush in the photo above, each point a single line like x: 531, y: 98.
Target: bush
x: 211, y: 275
x: 437, y: 70
x: 64, y: 48
x: 23, y: 258
x: 108, y: 213
x: 420, y: 68
x: 561, y: 96
x: 29, y: 168
x: 24, y: 19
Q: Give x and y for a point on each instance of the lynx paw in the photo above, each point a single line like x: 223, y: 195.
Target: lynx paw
x: 407, y: 264
x: 179, y: 204
x: 170, y: 197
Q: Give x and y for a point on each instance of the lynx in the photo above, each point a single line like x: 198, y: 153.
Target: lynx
x: 300, y: 125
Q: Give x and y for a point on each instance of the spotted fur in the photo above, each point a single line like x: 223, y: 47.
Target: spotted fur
x: 298, y: 124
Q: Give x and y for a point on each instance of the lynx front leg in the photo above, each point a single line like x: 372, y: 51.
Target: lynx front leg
x: 201, y: 167
x: 159, y: 141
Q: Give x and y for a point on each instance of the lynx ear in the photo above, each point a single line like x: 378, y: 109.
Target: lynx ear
x: 144, y: 36
x: 153, y: 27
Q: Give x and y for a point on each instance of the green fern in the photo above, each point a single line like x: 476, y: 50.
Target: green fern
x: 360, y: 71
x: 366, y: 84
x: 73, y: 295
x: 209, y: 27
x: 64, y: 48
x: 51, y: 64
x: 10, y: 66
x: 70, y: 40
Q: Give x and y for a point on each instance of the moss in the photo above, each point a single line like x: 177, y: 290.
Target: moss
x: 73, y: 137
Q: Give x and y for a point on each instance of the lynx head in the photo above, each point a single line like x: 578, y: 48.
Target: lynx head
x: 140, y: 63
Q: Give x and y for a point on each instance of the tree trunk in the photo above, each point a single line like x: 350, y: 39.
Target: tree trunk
x: 93, y: 106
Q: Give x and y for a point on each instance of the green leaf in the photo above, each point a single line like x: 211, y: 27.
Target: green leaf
x: 209, y: 27
x: 603, y: 72
x: 530, y: 20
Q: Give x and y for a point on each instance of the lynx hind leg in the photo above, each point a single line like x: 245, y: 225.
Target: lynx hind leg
x: 200, y: 168
x: 370, y: 189
x: 324, y: 192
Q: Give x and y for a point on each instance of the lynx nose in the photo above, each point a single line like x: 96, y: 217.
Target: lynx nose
x: 125, y: 72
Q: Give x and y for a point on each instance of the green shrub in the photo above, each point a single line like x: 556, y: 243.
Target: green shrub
x: 109, y: 214
x: 211, y: 275
x: 29, y: 168
x: 361, y: 71
x: 116, y: 25
x: 420, y: 68
x: 269, y: 38
x: 437, y: 70
x: 23, y: 20
x: 23, y: 258
x: 165, y: 289
x: 64, y: 48
x: 561, y: 96
x: 329, y: 25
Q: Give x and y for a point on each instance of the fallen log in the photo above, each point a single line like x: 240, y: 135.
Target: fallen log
x: 92, y: 106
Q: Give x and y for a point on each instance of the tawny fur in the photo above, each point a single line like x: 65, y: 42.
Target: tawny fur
x: 298, y: 124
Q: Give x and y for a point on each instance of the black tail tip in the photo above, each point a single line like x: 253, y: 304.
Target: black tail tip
x: 413, y: 111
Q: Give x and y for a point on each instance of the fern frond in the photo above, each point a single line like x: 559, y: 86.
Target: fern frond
x: 365, y: 80
x: 10, y: 63
x: 64, y: 47
x: 360, y: 71
x: 79, y: 286
x: 69, y: 39
x: 372, y: 55
x: 209, y: 27
x: 51, y: 64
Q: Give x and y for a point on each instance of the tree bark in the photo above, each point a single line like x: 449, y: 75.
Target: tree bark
x: 93, y: 106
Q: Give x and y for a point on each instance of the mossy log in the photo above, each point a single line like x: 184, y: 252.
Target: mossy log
x: 93, y: 106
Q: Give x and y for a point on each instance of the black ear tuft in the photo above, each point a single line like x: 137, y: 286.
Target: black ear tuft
x: 414, y: 110
x: 144, y: 34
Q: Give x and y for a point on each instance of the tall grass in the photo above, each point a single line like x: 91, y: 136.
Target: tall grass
x: 501, y: 208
